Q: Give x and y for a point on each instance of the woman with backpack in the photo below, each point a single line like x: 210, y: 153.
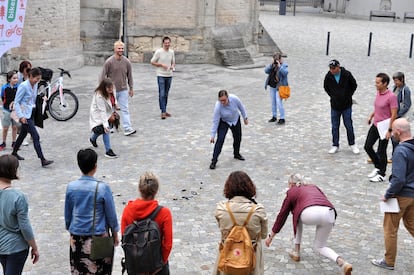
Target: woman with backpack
x: 309, y: 206
x: 240, y: 193
x: 141, y: 209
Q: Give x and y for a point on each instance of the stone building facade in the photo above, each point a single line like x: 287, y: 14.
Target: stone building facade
x: 73, y: 33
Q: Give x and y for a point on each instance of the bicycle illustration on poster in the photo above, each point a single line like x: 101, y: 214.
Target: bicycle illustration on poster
x: 12, y: 13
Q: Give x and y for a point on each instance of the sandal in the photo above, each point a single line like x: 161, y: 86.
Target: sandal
x: 294, y: 256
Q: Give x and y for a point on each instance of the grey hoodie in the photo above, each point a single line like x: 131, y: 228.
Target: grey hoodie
x: 402, y: 179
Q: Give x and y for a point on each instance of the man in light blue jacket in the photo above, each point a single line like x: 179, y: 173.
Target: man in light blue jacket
x: 25, y: 103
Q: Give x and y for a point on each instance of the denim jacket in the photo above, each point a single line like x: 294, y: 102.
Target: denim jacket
x: 281, y: 74
x: 25, y: 99
x: 79, y: 207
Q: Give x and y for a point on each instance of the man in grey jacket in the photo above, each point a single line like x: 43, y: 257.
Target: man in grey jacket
x: 401, y: 187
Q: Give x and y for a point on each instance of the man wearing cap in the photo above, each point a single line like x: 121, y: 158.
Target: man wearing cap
x: 340, y: 85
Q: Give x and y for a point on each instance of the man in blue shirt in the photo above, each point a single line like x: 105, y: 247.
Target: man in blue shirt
x: 227, y: 115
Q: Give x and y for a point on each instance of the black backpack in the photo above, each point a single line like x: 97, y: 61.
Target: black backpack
x: 141, y: 242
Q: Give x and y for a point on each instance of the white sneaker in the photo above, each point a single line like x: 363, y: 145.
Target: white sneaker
x: 373, y: 173
x: 354, y: 149
x: 25, y: 143
x: 130, y: 132
x: 333, y: 150
x: 377, y: 178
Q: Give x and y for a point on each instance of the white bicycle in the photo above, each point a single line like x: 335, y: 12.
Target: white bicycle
x: 61, y: 103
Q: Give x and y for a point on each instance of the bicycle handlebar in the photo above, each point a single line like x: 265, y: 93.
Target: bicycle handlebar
x: 63, y: 72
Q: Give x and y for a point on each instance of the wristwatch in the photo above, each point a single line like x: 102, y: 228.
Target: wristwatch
x: 389, y: 130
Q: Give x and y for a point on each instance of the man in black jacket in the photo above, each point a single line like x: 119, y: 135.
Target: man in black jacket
x: 340, y: 85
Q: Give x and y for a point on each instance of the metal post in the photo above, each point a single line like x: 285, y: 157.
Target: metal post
x: 294, y: 7
x: 124, y: 26
x: 411, y: 46
x: 327, y: 43
x: 369, y: 44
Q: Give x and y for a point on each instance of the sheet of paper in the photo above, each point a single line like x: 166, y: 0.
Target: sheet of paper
x: 390, y: 206
x: 383, y: 127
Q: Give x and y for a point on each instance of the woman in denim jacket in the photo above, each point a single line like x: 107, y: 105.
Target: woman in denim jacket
x: 79, y: 208
x: 277, y: 76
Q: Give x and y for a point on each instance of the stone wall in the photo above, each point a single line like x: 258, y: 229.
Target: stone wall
x: 100, y: 27
x: 192, y: 26
x: 69, y: 34
x: 50, y: 36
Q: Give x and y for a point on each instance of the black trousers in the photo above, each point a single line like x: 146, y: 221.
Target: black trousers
x: 221, y: 135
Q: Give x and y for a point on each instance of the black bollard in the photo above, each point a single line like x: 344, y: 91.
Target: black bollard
x: 369, y: 44
x: 411, y: 45
x: 327, y: 43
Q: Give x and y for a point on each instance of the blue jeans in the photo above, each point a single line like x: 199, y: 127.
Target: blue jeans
x: 379, y: 158
x: 336, y: 122
x: 221, y: 135
x: 164, y: 85
x: 13, y: 264
x: 30, y: 128
x: 122, y: 98
x: 277, y: 103
x: 106, y: 140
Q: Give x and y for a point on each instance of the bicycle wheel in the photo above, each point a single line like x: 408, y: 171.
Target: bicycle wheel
x: 65, y: 110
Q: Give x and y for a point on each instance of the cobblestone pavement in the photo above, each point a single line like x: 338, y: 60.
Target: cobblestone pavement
x: 178, y: 150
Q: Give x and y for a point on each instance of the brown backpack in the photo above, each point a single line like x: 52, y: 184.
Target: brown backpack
x: 237, y: 253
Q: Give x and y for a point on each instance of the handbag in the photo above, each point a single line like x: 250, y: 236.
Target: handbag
x: 101, y: 247
x: 114, y: 120
x: 284, y: 92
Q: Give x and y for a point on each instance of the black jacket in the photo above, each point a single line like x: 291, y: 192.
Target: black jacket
x: 340, y: 93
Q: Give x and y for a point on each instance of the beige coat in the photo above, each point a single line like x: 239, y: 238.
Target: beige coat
x: 257, y: 226
x: 101, y: 110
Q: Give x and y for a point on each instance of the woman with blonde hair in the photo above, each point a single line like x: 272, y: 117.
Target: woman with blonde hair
x: 143, y: 207
x: 309, y: 206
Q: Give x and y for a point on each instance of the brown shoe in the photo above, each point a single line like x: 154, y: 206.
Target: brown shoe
x: 163, y: 116
x: 294, y: 256
x: 389, y: 160
x: 167, y: 114
x: 369, y: 160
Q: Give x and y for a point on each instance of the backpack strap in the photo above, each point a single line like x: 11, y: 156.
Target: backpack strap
x: 154, y: 213
x: 233, y: 219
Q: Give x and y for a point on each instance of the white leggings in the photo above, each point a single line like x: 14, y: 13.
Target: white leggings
x: 324, y: 219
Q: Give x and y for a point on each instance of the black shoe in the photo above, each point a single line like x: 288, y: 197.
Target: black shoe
x: 281, y: 121
x: 93, y: 142
x: 17, y: 156
x: 239, y: 157
x: 46, y: 162
x: 213, y: 165
x: 273, y: 119
x: 110, y: 154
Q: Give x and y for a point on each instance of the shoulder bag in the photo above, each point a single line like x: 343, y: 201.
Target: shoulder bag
x: 101, y: 247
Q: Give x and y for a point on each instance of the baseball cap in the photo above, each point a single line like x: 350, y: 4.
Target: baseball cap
x: 333, y: 63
